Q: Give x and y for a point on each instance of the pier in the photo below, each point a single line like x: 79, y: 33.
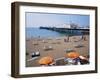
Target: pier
x: 63, y: 30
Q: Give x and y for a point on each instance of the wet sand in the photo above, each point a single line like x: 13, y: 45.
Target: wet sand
x: 59, y: 47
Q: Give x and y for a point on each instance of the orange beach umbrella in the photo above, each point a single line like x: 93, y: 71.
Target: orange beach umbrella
x: 73, y: 54
x: 46, y: 60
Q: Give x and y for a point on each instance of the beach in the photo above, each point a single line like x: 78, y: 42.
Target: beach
x: 58, y: 47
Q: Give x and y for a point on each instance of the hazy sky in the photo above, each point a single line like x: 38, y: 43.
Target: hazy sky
x: 46, y: 19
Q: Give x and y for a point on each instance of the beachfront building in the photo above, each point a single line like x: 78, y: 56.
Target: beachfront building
x: 85, y: 27
x: 72, y: 26
x: 64, y: 26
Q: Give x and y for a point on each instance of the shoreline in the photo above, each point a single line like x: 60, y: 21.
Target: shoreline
x: 54, y: 37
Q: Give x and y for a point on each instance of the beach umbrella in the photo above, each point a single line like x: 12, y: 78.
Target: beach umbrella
x: 46, y: 60
x: 73, y: 54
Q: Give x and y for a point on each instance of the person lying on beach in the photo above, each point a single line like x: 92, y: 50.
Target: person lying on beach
x: 46, y: 48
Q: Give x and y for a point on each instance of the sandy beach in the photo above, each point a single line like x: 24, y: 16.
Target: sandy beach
x: 58, y: 47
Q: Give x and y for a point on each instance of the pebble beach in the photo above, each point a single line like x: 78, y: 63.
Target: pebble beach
x: 58, y: 47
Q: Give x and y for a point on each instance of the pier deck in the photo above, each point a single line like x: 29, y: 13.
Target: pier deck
x: 65, y: 29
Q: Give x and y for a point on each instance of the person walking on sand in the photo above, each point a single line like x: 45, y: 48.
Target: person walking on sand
x: 68, y: 38
x: 65, y: 40
x: 83, y: 38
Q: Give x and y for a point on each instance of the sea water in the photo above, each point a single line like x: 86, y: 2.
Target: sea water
x: 32, y: 32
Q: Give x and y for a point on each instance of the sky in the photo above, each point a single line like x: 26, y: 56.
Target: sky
x: 49, y: 19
